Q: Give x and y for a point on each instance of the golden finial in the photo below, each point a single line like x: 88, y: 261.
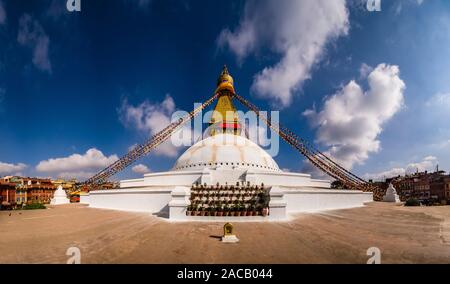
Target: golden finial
x: 225, y: 70
x: 225, y: 80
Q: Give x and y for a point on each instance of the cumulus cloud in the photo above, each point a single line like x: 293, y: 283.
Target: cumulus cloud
x: 2, y: 13
x: 352, y: 119
x: 140, y: 169
x: 297, y: 30
x: 32, y: 35
x: 439, y: 100
x: 428, y: 163
x: 77, y: 165
x: 6, y: 168
x: 150, y: 118
x: 365, y: 70
x: 398, y: 7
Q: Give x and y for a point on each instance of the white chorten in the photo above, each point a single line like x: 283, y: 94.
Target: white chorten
x: 60, y: 197
x: 391, y: 195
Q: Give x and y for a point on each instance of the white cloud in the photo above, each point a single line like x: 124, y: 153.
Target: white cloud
x: 427, y: 164
x: 140, y: 169
x: 352, y: 119
x: 32, y: 34
x: 2, y: 13
x: 381, y: 176
x: 6, y: 168
x: 151, y: 118
x: 365, y: 70
x: 297, y: 30
x: 76, y: 175
x: 439, y: 100
x: 77, y: 165
x: 133, y: 146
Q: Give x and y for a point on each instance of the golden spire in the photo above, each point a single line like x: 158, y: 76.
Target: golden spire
x: 225, y: 117
x: 225, y: 81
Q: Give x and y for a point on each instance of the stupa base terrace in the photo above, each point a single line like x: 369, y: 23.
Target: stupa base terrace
x: 171, y: 194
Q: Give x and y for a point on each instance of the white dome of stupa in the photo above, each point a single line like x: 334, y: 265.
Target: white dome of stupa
x: 225, y: 151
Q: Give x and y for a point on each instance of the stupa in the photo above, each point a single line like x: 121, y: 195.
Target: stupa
x: 391, y: 194
x: 59, y: 197
x: 226, y: 174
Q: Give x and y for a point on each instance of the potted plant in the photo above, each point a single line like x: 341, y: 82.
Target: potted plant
x: 189, y: 210
x: 250, y: 211
x: 243, y: 210
x: 202, y: 211
x: 225, y: 210
x: 256, y: 210
x: 195, y: 210
x: 209, y: 211
x: 231, y: 211
x: 219, y: 209
x: 237, y: 210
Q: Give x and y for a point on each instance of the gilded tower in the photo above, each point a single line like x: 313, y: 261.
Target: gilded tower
x: 225, y: 118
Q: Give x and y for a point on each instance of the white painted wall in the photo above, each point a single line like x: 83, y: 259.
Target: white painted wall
x: 222, y: 175
x: 137, y: 200
x: 84, y: 198
x: 313, y: 200
x: 299, y: 192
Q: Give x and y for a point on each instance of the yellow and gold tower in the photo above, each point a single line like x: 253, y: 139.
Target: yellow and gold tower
x: 225, y: 118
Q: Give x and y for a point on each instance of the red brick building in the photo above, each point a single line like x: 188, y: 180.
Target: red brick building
x: 440, y: 187
x: 422, y: 185
x: 39, y: 190
x: 7, y: 194
x: 16, y: 191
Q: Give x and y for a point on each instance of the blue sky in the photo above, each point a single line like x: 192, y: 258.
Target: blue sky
x: 77, y: 90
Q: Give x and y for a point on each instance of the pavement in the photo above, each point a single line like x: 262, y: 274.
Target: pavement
x: 403, y: 235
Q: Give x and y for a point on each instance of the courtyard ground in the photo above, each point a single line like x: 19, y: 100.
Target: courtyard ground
x: 403, y: 234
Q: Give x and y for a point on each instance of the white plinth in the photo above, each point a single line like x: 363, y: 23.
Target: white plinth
x: 60, y: 197
x: 84, y: 198
x: 230, y: 239
x: 179, y: 203
x: 391, y: 195
x: 277, y: 204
